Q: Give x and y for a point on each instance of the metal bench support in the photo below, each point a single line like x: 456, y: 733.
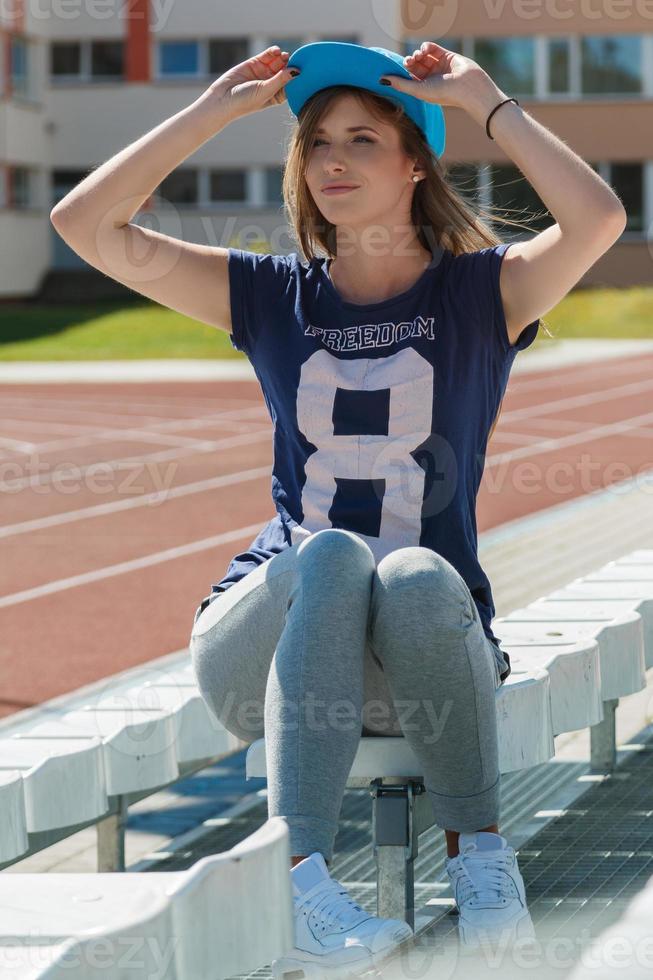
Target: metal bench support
x: 111, y: 839
x: 603, y: 739
x: 400, y: 812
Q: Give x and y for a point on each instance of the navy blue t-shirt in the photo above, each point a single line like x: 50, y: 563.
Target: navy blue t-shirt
x: 381, y: 411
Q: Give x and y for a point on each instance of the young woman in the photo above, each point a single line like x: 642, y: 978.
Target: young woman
x: 383, y: 364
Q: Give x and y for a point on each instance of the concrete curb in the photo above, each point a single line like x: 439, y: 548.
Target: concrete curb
x: 555, y: 353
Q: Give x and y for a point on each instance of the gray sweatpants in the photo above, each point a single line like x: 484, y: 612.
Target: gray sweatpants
x: 320, y: 645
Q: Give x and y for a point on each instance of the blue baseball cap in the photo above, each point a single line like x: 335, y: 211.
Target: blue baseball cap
x: 326, y: 63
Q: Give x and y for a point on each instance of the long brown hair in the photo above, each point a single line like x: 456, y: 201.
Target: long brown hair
x: 440, y: 214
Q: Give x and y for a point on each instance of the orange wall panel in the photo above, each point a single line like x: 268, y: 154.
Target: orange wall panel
x: 138, y: 41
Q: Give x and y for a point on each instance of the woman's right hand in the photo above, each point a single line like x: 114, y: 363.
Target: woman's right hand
x: 254, y: 84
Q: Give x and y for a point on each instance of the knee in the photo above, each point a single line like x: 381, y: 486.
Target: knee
x: 340, y: 548
x: 419, y: 581
x: 416, y: 568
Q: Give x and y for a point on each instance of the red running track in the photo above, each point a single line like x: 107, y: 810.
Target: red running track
x: 123, y: 502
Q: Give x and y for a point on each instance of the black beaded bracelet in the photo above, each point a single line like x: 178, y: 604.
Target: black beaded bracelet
x: 487, y: 122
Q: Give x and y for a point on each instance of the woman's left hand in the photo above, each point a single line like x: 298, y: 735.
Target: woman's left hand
x: 446, y: 78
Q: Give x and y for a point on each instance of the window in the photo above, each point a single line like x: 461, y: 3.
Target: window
x: 19, y: 54
x: 87, y: 61
x: 227, y: 52
x: 66, y: 58
x: 21, y: 187
x: 107, y: 59
x: 510, y: 189
x: 611, y: 65
x: 227, y: 185
x: 179, y: 58
x: 180, y: 187
x: 559, y: 66
x: 63, y: 181
x: 627, y: 180
x: 273, y: 185
x: 510, y: 62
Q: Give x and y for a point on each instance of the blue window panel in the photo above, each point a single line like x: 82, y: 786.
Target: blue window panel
x: 509, y: 61
x: 179, y: 57
x: 611, y: 65
x: 559, y: 66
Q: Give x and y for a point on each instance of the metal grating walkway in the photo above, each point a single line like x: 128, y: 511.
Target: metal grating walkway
x: 585, y: 848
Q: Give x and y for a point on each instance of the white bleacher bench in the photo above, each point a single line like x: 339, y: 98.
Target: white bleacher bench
x: 573, y: 655
x: 181, y: 925
x: 78, y: 766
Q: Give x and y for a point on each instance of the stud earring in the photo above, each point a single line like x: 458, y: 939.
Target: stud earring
x: 416, y: 177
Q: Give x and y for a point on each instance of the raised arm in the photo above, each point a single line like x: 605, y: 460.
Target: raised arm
x: 538, y: 273
x: 94, y: 218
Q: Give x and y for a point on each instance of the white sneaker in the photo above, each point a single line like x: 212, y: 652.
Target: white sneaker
x: 334, y: 937
x: 489, y: 892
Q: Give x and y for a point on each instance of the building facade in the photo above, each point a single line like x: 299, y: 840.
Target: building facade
x: 82, y: 79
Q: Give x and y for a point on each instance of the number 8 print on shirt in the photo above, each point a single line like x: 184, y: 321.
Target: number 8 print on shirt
x: 381, y: 412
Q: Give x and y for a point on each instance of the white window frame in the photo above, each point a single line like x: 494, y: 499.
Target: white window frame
x: 573, y: 46
x: 30, y: 95
x: 30, y: 184
x: 573, y: 94
x: 255, y: 186
x: 647, y: 66
x: 256, y: 43
x: 648, y: 199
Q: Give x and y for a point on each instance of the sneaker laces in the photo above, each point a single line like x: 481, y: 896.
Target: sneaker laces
x: 340, y: 905
x: 485, y: 878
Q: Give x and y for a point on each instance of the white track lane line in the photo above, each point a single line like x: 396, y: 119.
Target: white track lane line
x: 576, y: 438
x: 500, y: 436
x: 17, y: 446
x: 115, y: 506
x: 577, y: 401
x: 594, y: 370
x: 176, y: 402
x: 75, y: 442
x: 202, y: 486
x: 135, y: 564
x: 128, y: 462
x: 103, y: 418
